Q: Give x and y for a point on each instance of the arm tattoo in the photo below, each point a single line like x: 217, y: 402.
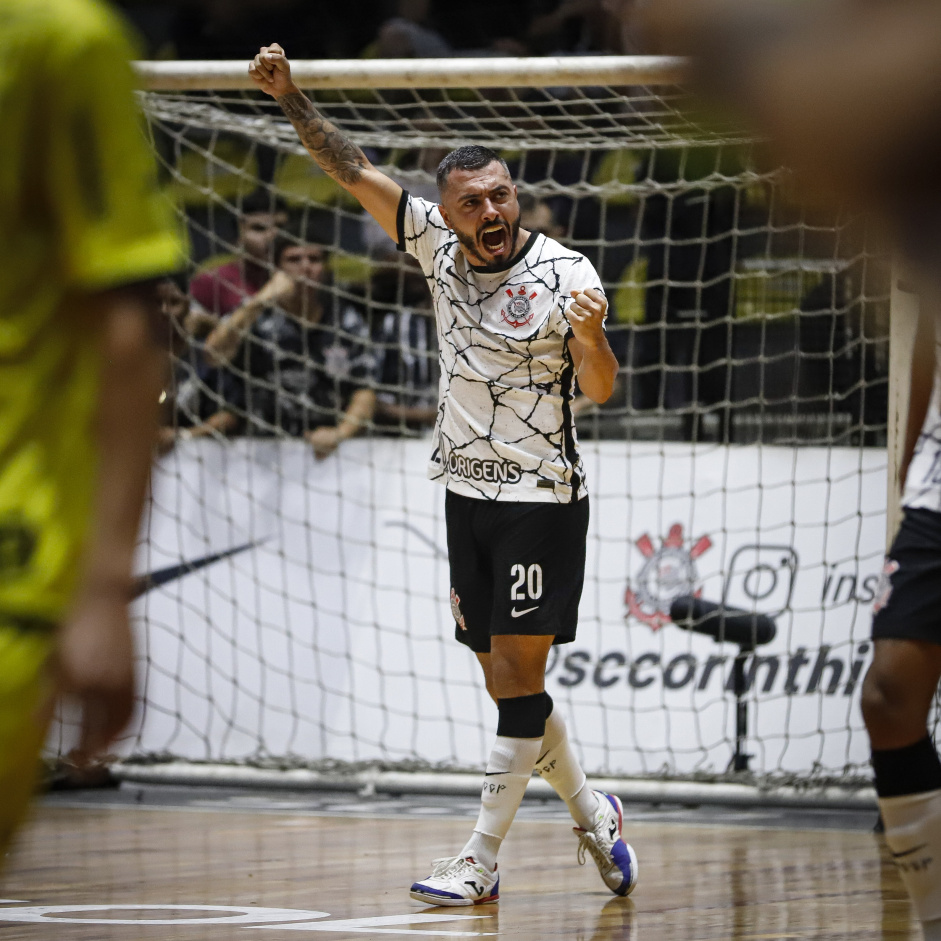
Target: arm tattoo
x: 335, y: 155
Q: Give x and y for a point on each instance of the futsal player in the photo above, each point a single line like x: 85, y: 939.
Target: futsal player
x: 849, y: 94
x: 518, y: 316
x: 81, y: 224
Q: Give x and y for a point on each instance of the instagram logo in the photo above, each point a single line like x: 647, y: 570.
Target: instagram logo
x: 761, y: 578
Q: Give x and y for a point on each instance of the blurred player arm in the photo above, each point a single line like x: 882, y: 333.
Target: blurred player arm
x: 95, y: 652
x: 337, y: 156
x: 848, y: 93
x: 114, y: 234
x: 595, y: 363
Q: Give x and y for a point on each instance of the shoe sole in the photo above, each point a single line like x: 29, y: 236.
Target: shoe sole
x: 633, y: 883
x: 430, y: 899
x: 616, y: 801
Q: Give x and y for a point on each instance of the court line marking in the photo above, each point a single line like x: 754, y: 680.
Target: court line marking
x: 234, y: 915
x: 283, y: 919
x: 383, y: 924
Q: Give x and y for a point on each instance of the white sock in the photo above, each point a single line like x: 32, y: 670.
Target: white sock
x: 508, y: 772
x: 913, y: 833
x: 559, y: 766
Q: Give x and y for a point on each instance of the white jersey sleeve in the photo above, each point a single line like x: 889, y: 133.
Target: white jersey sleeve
x: 421, y: 230
x: 923, y: 482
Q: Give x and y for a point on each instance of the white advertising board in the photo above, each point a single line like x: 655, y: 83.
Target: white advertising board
x: 328, y: 634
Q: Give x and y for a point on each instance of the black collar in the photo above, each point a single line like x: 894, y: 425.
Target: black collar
x: 510, y: 262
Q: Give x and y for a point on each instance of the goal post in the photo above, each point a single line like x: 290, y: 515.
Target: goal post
x: 348, y: 74
x: 742, y: 458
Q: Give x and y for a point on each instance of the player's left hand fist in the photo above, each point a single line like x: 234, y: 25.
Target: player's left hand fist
x: 586, y: 315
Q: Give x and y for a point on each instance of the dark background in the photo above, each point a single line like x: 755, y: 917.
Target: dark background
x: 233, y: 29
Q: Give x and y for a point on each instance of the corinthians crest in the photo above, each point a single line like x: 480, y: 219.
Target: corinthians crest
x: 519, y: 309
x: 667, y: 573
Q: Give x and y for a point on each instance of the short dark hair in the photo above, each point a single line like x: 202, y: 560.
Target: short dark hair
x: 293, y: 234
x: 262, y: 200
x: 468, y: 157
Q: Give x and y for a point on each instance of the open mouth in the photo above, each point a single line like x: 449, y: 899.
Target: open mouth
x: 495, y: 239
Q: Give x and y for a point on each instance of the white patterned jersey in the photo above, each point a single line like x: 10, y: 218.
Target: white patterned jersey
x: 923, y: 482
x: 505, y: 429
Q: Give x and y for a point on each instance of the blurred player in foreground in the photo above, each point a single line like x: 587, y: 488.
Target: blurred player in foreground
x: 80, y: 224
x: 517, y: 315
x: 850, y: 97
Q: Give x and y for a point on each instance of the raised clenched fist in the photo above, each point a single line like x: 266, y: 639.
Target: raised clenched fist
x: 271, y: 71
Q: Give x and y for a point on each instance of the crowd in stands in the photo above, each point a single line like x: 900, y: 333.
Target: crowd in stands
x: 263, y: 343
x: 229, y: 29
x: 281, y: 338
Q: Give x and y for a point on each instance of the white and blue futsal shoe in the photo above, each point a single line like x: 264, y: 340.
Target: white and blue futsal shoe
x: 616, y: 860
x: 458, y: 880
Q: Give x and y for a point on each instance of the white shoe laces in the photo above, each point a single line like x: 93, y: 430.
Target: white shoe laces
x: 586, y: 841
x: 450, y: 866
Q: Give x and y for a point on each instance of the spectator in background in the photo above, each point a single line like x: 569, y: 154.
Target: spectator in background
x: 576, y: 26
x: 299, y: 355
x: 398, y: 282
x: 405, y: 342
x: 400, y: 38
x: 436, y: 29
x: 223, y: 287
x: 537, y: 215
x: 624, y: 29
x: 188, y: 409
x: 415, y: 172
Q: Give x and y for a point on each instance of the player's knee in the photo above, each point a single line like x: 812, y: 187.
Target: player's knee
x: 522, y: 716
x: 889, y: 705
x: 491, y: 690
x: 877, y: 696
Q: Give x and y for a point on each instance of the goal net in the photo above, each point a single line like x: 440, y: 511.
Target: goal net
x: 294, y: 610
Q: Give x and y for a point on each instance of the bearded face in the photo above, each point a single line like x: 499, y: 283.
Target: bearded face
x: 481, y: 208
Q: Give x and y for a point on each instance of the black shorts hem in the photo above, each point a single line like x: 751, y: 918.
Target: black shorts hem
x: 481, y: 643
x: 908, y: 602
x: 927, y: 633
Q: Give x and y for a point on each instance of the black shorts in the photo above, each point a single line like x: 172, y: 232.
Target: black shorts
x: 908, y: 599
x: 516, y: 568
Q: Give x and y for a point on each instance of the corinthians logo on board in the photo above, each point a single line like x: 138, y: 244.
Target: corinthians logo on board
x: 667, y: 573
x: 519, y: 309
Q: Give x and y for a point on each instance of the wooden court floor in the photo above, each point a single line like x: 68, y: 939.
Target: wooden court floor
x: 134, y: 873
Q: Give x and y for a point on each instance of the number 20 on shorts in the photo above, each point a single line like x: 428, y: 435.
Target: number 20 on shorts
x: 527, y: 583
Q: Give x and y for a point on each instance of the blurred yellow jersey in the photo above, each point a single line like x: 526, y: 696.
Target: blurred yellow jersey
x: 79, y: 212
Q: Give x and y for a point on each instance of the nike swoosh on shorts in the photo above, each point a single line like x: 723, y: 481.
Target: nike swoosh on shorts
x: 516, y: 614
